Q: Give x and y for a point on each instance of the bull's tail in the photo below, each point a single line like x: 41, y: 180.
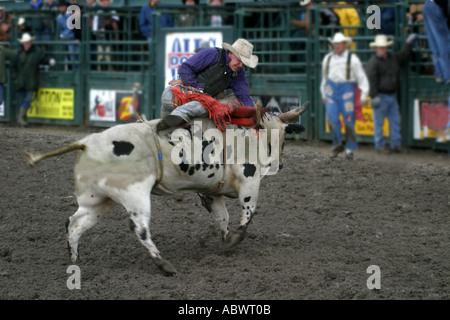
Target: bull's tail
x: 34, y: 158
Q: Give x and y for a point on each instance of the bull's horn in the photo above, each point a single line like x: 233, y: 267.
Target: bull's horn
x: 288, y: 116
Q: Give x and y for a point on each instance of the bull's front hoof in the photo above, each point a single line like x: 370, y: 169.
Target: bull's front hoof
x: 233, y: 238
x: 73, y: 255
x: 165, y: 266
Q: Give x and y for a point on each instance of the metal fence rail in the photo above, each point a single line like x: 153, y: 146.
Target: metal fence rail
x: 289, y: 57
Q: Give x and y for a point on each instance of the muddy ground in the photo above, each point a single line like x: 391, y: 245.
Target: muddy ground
x: 319, y: 225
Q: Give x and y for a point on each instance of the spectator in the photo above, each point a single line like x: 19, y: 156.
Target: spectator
x: 304, y: 18
x: 342, y: 72
x: 437, y: 26
x: 145, y: 19
x: 348, y: 17
x: 25, y: 67
x: 106, y: 27
x: 5, y: 55
x: 383, y: 72
x: 387, y: 19
x: 188, y: 19
x: 415, y: 17
x: 216, y: 20
x: 5, y: 25
x: 36, y: 21
x: 414, y: 14
x: 327, y: 17
x: 67, y: 34
x: 421, y: 54
x: 22, y: 26
x: 212, y: 70
x: 49, y: 6
x: 91, y: 6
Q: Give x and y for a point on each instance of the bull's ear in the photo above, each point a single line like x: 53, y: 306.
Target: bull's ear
x: 294, y: 128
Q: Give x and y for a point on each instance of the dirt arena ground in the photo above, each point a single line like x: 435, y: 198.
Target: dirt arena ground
x: 320, y: 224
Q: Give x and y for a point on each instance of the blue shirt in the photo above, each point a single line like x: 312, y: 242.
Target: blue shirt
x: 206, y: 58
x: 64, y: 32
x: 145, y: 21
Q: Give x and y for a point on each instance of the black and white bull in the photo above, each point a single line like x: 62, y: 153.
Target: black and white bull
x: 126, y: 163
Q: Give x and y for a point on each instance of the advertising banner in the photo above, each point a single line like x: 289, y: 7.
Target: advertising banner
x: 181, y: 45
x: 52, y: 103
x: 112, y: 105
x: 432, y: 119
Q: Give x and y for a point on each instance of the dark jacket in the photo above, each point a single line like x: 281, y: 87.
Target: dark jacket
x: 383, y: 73
x: 25, y: 67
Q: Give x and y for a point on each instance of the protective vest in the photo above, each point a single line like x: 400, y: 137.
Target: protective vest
x: 216, y: 78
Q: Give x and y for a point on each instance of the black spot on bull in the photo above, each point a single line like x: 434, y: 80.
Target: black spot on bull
x: 122, y: 148
x: 247, y: 199
x: 249, y: 170
x: 184, y: 167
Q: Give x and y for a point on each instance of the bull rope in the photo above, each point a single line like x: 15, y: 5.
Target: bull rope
x: 158, y: 150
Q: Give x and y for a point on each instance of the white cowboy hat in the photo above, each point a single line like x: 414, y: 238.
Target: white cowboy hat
x: 20, y: 21
x: 339, y: 37
x: 26, y: 37
x: 243, y: 50
x: 381, y: 41
x: 304, y: 2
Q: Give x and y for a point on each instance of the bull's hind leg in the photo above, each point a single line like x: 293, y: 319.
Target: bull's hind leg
x: 138, y: 204
x: 140, y: 224
x: 87, y: 215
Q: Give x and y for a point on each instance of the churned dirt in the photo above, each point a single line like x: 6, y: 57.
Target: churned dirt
x: 320, y: 224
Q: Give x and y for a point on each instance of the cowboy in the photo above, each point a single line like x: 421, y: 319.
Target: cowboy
x: 25, y: 65
x: 209, y: 72
x: 342, y: 73
x: 383, y: 71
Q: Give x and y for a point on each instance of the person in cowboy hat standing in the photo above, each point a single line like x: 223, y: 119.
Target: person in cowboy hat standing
x: 25, y: 66
x: 383, y: 72
x: 342, y: 72
x: 211, y: 71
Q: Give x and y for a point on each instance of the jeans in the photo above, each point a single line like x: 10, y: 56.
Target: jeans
x: 25, y: 97
x: 187, y: 111
x: 438, y: 38
x: 388, y: 108
x: 340, y: 98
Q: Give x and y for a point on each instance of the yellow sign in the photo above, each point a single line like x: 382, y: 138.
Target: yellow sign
x: 52, y: 103
x: 361, y: 127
